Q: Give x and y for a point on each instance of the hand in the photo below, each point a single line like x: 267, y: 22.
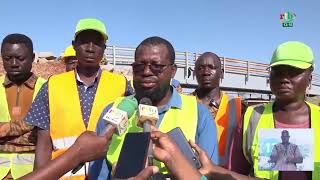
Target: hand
x: 206, y: 163
x: 144, y: 174
x: 164, y: 147
x: 166, y: 150
x: 89, y: 146
x: 290, y: 159
x: 213, y: 171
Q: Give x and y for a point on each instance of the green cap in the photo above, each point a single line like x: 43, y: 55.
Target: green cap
x: 91, y: 24
x: 293, y: 53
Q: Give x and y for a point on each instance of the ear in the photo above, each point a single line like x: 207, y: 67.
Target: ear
x: 174, y: 70
x: 105, y: 45
x: 74, y: 44
x: 310, y: 79
x: 33, y: 56
x: 221, y: 73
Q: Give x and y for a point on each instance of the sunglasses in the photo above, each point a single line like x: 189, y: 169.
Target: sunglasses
x: 156, y: 69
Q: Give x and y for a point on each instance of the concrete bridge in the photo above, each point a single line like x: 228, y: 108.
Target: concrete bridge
x: 246, y: 78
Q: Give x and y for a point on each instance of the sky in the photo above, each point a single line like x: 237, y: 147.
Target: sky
x: 247, y: 29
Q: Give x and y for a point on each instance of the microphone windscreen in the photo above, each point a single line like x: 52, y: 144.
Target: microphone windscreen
x: 147, y: 112
x: 128, y: 104
x: 146, y: 101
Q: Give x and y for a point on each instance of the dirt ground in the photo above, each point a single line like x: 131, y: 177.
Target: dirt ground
x: 44, y: 70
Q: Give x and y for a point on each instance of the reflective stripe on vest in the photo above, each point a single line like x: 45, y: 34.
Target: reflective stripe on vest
x: 4, y: 162
x: 20, y: 164
x: 63, y: 143
x: 251, y: 126
x: 262, y: 117
x: 228, y: 115
x: 23, y: 160
x: 186, y: 118
x: 226, y: 120
x: 66, y: 122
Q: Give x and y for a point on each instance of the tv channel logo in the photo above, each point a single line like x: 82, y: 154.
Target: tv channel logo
x: 287, y: 18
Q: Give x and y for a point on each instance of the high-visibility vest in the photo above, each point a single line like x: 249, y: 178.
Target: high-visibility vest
x: 261, y: 116
x: 227, y: 118
x: 186, y: 118
x: 66, y: 122
x: 19, y: 164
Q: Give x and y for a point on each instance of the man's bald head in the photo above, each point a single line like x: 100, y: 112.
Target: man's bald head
x: 209, y: 55
x: 208, y: 70
x: 285, y: 136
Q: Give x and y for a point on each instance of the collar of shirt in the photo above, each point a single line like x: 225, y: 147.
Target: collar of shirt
x: 213, y: 105
x: 174, y: 102
x: 96, y: 79
x: 30, y: 83
x: 175, y: 83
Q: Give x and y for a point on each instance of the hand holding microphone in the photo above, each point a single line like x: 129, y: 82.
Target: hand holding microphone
x: 89, y: 146
x: 137, y: 146
x: 116, y: 120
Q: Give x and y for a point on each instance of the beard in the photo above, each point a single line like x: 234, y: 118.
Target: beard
x: 155, y: 94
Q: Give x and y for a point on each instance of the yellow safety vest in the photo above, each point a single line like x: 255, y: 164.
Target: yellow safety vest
x: 261, y: 116
x: 66, y: 122
x: 20, y: 164
x: 186, y: 118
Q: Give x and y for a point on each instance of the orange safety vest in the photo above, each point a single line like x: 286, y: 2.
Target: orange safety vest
x: 66, y: 122
x: 227, y: 118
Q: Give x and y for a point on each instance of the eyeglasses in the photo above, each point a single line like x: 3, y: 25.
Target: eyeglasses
x: 156, y: 69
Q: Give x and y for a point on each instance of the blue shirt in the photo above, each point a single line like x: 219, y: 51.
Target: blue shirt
x: 175, y: 83
x: 206, y: 134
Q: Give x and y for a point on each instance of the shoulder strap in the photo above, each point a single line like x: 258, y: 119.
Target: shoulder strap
x: 249, y: 128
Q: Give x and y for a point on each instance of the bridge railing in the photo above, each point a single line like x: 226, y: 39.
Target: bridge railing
x: 315, y: 79
x: 125, y: 56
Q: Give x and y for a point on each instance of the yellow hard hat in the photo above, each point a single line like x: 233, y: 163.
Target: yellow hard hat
x: 69, y: 52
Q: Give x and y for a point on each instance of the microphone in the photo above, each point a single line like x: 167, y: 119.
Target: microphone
x: 147, y: 114
x: 117, y: 117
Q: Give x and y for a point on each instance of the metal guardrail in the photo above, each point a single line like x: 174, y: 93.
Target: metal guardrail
x: 125, y: 56
x: 315, y: 79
